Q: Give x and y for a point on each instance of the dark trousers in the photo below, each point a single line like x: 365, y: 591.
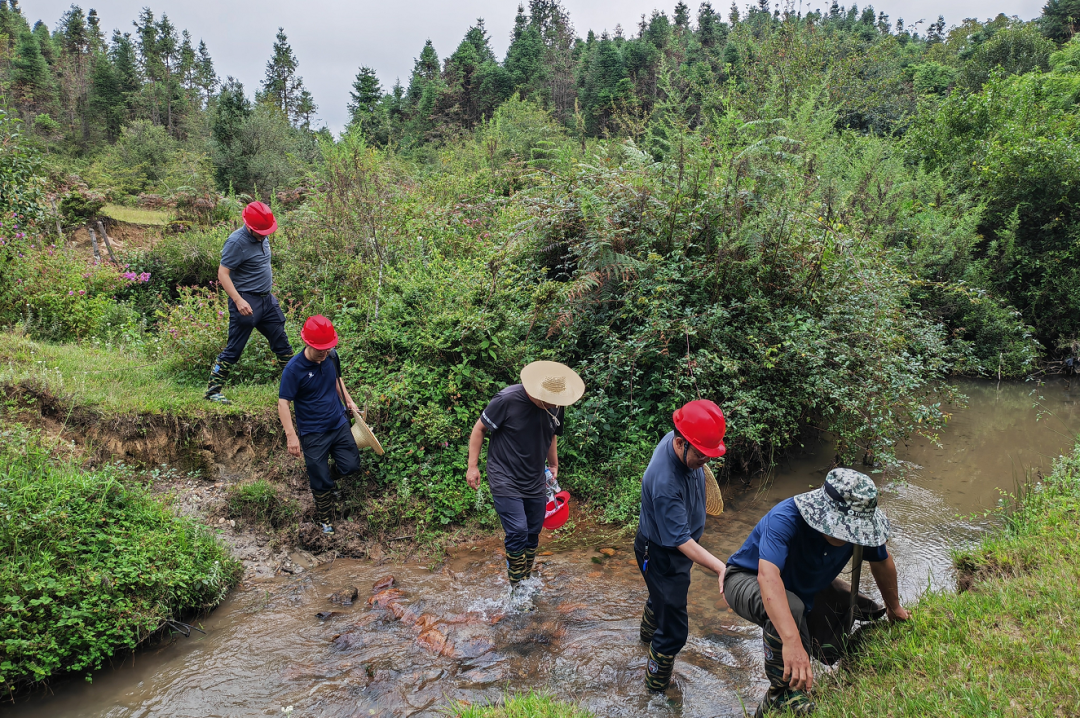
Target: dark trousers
x: 822, y: 629
x: 318, y: 448
x: 667, y: 577
x: 267, y: 317
x: 522, y: 519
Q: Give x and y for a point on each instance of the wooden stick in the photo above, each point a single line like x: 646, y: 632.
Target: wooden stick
x: 856, y: 576
x: 56, y: 214
x: 93, y: 243
x: 108, y: 244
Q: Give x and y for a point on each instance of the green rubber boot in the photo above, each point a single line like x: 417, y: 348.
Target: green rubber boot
x: 516, y: 569
x: 780, y: 698
x: 648, y: 624
x: 530, y: 559
x: 324, y: 508
x: 219, y: 374
x: 658, y: 670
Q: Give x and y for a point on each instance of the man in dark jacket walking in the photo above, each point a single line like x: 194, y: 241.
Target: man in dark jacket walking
x: 247, y: 278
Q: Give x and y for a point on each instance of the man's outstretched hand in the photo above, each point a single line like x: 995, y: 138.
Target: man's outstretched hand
x: 900, y: 614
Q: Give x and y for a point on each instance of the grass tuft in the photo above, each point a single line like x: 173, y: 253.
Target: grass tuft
x: 1005, y: 646
x: 259, y: 502
x: 526, y: 705
x: 135, y: 215
x: 92, y: 565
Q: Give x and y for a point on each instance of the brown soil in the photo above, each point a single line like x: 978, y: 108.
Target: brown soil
x: 123, y: 236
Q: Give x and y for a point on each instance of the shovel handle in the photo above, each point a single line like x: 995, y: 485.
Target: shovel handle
x: 856, y: 577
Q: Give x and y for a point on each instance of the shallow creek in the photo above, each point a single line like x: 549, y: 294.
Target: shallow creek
x: 452, y: 635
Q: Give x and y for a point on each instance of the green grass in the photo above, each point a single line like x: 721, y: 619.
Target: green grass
x: 90, y: 564
x: 1008, y: 646
x: 135, y: 215
x: 258, y: 501
x: 529, y: 705
x: 115, y: 381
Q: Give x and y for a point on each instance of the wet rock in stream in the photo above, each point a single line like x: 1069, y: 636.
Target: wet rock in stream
x: 344, y: 596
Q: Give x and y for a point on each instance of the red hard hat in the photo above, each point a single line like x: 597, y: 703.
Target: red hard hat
x: 702, y: 424
x: 259, y: 219
x: 319, y: 333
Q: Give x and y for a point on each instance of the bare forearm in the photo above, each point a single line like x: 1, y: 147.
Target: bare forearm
x: 774, y: 596
x: 227, y: 283
x: 699, y: 555
x: 885, y: 576
x: 286, y: 417
x: 476, y: 440
x: 553, y: 453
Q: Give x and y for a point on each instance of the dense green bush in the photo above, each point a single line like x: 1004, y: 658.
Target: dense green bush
x: 92, y: 564
x: 54, y: 292
x: 21, y: 180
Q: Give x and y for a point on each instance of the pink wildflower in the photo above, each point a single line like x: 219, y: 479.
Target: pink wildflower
x: 71, y: 293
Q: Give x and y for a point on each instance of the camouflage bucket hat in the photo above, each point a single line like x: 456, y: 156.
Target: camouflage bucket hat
x: 845, y: 507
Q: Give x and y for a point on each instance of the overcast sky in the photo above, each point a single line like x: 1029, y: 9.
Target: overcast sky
x: 332, y: 38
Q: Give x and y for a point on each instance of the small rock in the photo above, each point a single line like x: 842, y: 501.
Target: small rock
x: 232, y: 522
x: 323, y: 615
x: 383, y: 583
x: 608, y: 551
x: 345, y: 596
x: 221, y: 520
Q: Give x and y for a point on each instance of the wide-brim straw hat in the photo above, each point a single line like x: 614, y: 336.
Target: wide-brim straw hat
x: 714, y: 500
x: 361, y: 434
x: 845, y: 507
x: 552, y: 382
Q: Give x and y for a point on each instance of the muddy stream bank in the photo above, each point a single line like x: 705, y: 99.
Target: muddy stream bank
x: 451, y: 634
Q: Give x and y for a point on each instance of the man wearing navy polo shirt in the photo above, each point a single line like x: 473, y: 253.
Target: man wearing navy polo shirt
x: 784, y: 579
x: 320, y: 398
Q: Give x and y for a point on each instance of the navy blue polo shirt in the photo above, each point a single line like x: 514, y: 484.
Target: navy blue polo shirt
x: 247, y: 257
x: 807, y: 562
x: 312, y: 388
x: 672, y: 499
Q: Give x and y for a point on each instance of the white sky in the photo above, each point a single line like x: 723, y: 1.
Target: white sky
x: 332, y: 38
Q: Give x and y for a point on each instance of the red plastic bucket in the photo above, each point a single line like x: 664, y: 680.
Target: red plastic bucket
x: 558, y: 511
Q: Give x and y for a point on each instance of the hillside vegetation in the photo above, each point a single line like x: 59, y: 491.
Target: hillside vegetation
x: 814, y: 219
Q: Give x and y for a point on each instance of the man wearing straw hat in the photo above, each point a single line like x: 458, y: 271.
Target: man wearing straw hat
x: 320, y: 398
x: 784, y: 578
x: 524, y: 422
x: 673, y: 499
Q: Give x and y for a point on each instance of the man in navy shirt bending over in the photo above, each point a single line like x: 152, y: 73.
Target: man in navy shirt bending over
x: 319, y: 395
x: 784, y: 578
x: 672, y: 521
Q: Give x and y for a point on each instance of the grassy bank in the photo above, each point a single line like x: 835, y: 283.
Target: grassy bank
x: 92, y: 565
x: 118, y: 381
x: 1006, y: 646
x: 529, y: 705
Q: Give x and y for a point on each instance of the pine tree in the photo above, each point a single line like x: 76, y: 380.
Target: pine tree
x: 283, y: 87
x: 31, y: 81
x: 107, y: 101
x: 167, y: 47
x: 1060, y: 19
x: 230, y: 109
x: 186, y: 61
x: 74, y: 65
x: 205, y: 76
x: 365, y: 95
x: 681, y: 17
x: 45, y: 42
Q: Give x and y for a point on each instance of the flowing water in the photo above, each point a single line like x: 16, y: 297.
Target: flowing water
x: 451, y: 634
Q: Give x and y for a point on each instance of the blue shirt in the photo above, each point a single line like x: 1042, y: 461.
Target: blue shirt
x: 247, y: 257
x: 312, y: 388
x: 807, y: 562
x: 672, y: 498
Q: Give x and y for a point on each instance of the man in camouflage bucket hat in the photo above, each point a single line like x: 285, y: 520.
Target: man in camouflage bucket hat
x: 785, y: 579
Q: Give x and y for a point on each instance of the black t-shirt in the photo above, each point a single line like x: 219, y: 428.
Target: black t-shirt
x: 521, y: 434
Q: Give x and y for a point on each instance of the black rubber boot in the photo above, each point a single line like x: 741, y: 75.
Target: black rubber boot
x: 515, y: 567
x: 219, y: 374
x: 281, y: 362
x: 648, y: 624
x: 658, y: 670
x: 780, y: 697
x: 530, y: 559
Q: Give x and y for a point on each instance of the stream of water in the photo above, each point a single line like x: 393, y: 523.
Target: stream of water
x: 451, y: 634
